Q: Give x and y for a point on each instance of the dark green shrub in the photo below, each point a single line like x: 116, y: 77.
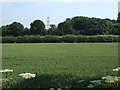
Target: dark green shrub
x: 51, y: 39
x: 101, y: 38
x: 91, y: 39
x: 95, y: 39
x: 107, y: 38
x: 8, y: 39
x: 69, y: 38
x: 116, y: 38
x: 35, y: 39
x: 0, y: 39
x: 29, y: 39
x: 22, y: 39
x: 55, y: 39
x: 81, y: 38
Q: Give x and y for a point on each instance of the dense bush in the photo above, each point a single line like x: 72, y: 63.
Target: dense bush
x: 81, y: 38
x: 69, y: 38
x: 51, y: 39
x: 22, y: 39
x: 29, y: 39
x: 103, y: 38
x: 8, y: 39
x: 116, y: 38
x: 96, y: 39
x: 56, y: 39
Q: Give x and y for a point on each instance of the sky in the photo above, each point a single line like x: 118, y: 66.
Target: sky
x: 27, y: 12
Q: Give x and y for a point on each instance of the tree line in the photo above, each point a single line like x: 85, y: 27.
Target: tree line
x: 78, y: 25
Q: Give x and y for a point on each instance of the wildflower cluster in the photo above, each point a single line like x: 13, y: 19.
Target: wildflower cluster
x: 111, y: 79
x: 90, y: 86
x: 116, y: 69
x: 5, y: 80
x: 96, y: 82
x: 6, y: 70
x: 27, y: 75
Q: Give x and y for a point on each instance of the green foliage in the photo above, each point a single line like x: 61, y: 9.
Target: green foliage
x: 51, y: 39
x: 37, y: 28
x: 81, y: 38
x: 78, y: 25
x: 52, y: 30
x: 26, y: 31
x: 29, y: 39
x: 55, y: 39
x: 69, y: 38
x: 58, y: 65
x: 14, y: 29
x: 65, y: 27
x: 22, y: 39
x: 8, y: 39
x: 103, y: 38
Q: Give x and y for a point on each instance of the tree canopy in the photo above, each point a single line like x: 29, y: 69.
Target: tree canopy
x: 37, y: 27
x: 78, y: 25
x: 14, y: 29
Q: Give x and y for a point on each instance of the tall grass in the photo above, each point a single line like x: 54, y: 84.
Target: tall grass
x: 58, y: 64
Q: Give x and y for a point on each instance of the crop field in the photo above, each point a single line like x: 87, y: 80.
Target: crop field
x: 60, y: 65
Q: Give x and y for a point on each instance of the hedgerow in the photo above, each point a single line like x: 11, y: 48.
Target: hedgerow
x: 58, y: 39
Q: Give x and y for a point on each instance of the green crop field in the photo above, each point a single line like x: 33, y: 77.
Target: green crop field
x: 58, y: 64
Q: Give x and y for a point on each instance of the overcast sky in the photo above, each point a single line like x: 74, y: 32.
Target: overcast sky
x: 26, y: 12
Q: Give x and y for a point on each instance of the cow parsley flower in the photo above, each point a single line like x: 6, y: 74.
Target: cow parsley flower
x: 90, y: 86
x: 96, y: 82
x: 5, y: 80
x: 111, y: 79
x: 81, y: 81
x: 104, y: 78
x: 6, y: 70
x: 27, y: 75
x: 116, y: 69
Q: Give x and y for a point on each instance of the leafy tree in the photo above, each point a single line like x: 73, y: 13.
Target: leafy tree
x: 5, y: 31
x: 15, y: 29
x: 78, y: 25
x: 87, y: 26
x: 37, y: 27
x: 26, y: 31
x: 116, y: 31
x: 65, y: 28
x: 61, y: 29
x: 52, y: 30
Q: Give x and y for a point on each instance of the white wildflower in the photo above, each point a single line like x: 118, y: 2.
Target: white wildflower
x: 96, y: 82
x: 104, y: 78
x: 111, y: 79
x: 90, y: 86
x: 116, y: 69
x: 5, y: 80
x: 6, y: 70
x: 93, y: 75
x: 51, y: 88
x: 81, y: 81
x: 27, y: 75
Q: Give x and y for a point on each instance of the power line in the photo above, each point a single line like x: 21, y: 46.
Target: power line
x: 48, y: 21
